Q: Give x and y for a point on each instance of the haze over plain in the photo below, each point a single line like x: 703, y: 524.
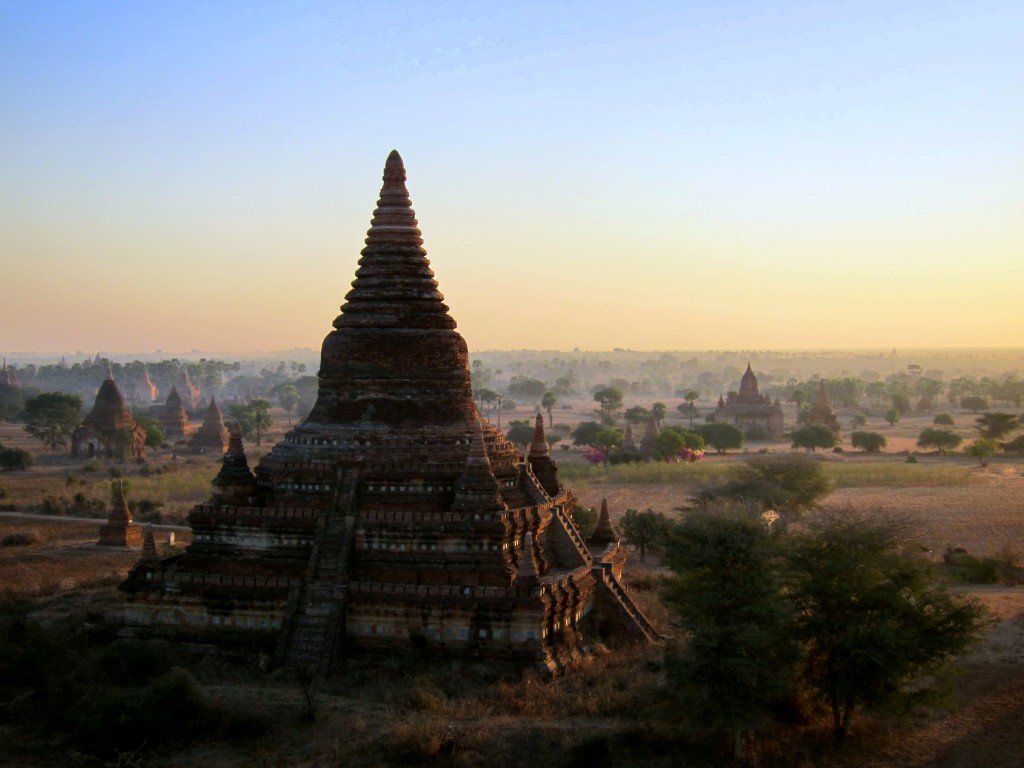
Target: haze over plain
x: 668, y: 176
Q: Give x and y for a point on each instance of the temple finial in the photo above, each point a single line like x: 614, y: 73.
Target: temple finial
x: 539, y: 446
x: 394, y: 168
x: 603, y: 534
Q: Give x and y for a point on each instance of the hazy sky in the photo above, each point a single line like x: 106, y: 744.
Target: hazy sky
x: 653, y: 175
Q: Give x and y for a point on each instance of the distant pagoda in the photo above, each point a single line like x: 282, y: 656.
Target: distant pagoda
x: 212, y: 436
x: 821, y: 411
x: 109, y: 430
x: 393, y: 517
x: 173, y: 418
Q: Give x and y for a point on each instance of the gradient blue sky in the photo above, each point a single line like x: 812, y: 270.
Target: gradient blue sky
x: 653, y: 175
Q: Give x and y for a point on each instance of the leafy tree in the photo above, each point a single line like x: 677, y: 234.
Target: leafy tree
x: 983, y: 449
x: 287, y: 398
x: 585, y: 519
x: 253, y: 418
x: 941, y: 439
x: 608, y: 438
x: 974, y: 403
x: 727, y: 591
x: 609, y: 400
x: 901, y: 402
x: 943, y: 420
x: 658, y: 411
x: 52, y: 417
x: 858, y: 420
x: 721, y: 437
x: 586, y: 433
x: 636, y: 414
x: 520, y: 432
x: 547, y: 402
x: 154, y: 430
x: 671, y: 440
x: 526, y: 389
x: 642, y: 530
x: 872, y: 618
x: 14, y: 459
x: 814, y: 436
x: 869, y: 442
x: 12, y: 401
x: 788, y: 484
x: 996, y: 425
x: 892, y: 416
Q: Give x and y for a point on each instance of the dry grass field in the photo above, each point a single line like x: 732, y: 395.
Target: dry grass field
x: 615, y: 710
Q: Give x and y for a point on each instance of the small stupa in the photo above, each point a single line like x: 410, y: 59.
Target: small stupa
x: 173, y: 418
x: 119, y: 530
x: 212, y: 436
x: 821, y: 411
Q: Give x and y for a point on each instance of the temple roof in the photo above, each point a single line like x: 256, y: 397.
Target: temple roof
x: 110, y: 412
x: 748, y: 384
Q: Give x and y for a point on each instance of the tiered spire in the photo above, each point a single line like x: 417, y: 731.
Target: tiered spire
x: 235, y: 483
x: 213, y: 434
x: 527, y: 576
x: 477, y: 488
x: 149, y: 554
x: 748, y: 384
x: 118, y: 531
x: 394, y: 355
x: 539, y: 447
x: 603, y: 534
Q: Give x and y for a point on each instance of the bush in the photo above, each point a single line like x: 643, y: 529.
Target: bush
x: 943, y: 420
x: 975, y: 570
x: 869, y: 442
x: 14, y: 459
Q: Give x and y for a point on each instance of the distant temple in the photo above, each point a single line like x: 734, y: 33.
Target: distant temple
x: 145, y: 390
x: 394, y: 518
x: 188, y: 392
x: 821, y: 411
x: 8, y: 375
x: 212, y: 436
x: 109, y: 430
x: 173, y: 418
x: 750, y: 410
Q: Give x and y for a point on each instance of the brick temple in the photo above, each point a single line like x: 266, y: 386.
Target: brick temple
x: 748, y: 409
x: 394, y: 518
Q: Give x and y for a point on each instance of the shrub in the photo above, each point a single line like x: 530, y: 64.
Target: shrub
x: 14, y: 459
x: 19, y: 539
x: 869, y: 442
x: 943, y: 420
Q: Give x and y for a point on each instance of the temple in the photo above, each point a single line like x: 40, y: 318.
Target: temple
x: 212, y: 436
x: 109, y: 430
x: 145, y: 390
x: 821, y: 410
x: 173, y: 418
x: 756, y: 414
x: 394, y: 518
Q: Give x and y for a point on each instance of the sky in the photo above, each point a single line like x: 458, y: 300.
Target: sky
x: 646, y: 175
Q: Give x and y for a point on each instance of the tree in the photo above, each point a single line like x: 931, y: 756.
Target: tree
x: 892, y: 416
x: 642, y: 530
x: 670, y: 441
x: 609, y: 400
x: 585, y: 519
x: 901, y: 402
x: 52, y: 417
x: 520, y: 432
x: 727, y: 591
x: 609, y: 438
x: 252, y: 418
x: 941, y: 439
x: 12, y: 401
x: 872, y: 618
x: 547, y: 402
x: 585, y: 433
x: 858, y: 420
x: 869, y: 442
x: 983, y: 449
x: 155, y: 435
x: 996, y: 425
x: 974, y: 403
x: 691, y: 409
x: 636, y: 414
x: 1014, y: 446
x: 721, y: 437
x: 814, y: 436
x: 788, y: 484
x: 943, y: 420
x: 526, y: 389
x: 14, y: 459
x: 658, y: 411
x: 288, y: 398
